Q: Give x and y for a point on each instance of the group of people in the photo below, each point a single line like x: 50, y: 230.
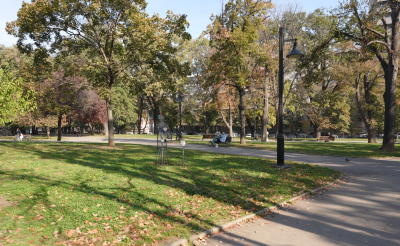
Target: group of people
x: 219, y: 138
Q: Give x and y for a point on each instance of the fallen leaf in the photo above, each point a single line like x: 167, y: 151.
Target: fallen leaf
x: 85, y: 210
x: 93, y: 231
x: 52, y: 206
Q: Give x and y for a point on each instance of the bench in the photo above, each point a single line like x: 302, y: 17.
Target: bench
x: 27, y: 137
x: 208, y: 136
x: 326, y: 138
x: 227, y: 142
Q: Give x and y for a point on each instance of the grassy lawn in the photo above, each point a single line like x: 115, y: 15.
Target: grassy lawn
x: 34, y: 138
x: 361, y: 149
x: 148, y: 136
x: 61, y: 192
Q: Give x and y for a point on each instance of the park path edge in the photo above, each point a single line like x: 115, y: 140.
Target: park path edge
x: 265, y: 211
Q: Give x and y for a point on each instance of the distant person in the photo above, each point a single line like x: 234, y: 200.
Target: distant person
x: 19, y: 135
x: 219, y: 139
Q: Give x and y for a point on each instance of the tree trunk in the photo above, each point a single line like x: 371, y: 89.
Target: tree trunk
x: 230, y: 119
x: 264, y: 137
x: 110, y: 124
x: 317, y: 133
x: 390, y: 106
x: 105, y: 128
x: 251, y: 126
x: 140, y: 114
x: 229, y: 125
x: 277, y: 121
x: 206, y: 126
x: 59, y: 128
x: 155, y: 108
x: 157, y: 123
x: 35, y: 130
x: 242, y: 116
x: 48, y: 132
x: 391, y: 69
x: 367, y: 119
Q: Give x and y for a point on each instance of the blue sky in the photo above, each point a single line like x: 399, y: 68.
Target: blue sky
x: 198, y: 12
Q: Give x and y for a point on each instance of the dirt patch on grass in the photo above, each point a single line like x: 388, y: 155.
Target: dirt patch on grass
x: 4, y: 203
x: 101, y: 147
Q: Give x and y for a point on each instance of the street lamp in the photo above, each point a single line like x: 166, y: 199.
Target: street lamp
x: 295, y: 53
x: 180, y: 100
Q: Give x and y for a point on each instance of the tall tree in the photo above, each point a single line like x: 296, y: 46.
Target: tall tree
x: 237, y: 52
x: 364, y: 76
x: 368, y: 27
x: 116, y: 34
x: 14, y: 99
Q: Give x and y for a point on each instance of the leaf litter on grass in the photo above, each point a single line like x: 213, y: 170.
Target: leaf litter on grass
x: 118, y: 195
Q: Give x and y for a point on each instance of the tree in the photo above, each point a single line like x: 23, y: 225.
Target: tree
x: 89, y: 108
x: 13, y: 100
x: 124, y: 108
x: 369, y: 28
x: 237, y: 52
x: 198, y: 95
x: 38, y: 119
x: 289, y: 17
x: 116, y: 34
x: 324, y: 98
x: 363, y: 75
x: 57, y: 94
x: 226, y: 104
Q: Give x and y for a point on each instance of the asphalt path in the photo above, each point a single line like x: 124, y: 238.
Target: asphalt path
x: 363, y: 210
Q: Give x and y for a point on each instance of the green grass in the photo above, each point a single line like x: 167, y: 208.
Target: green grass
x: 92, y: 193
x: 34, y: 138
x: 321, y: 148
x: 185, y: 137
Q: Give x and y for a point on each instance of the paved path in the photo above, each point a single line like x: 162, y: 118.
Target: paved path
x: 364, y: 210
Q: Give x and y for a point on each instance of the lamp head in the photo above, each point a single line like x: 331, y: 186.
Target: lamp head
x: 295, y: 53
x: 180, y: 97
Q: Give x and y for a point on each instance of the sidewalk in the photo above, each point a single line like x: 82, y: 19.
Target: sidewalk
x: 364, y: 210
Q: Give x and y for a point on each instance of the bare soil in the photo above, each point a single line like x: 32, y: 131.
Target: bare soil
x: 4, y: 203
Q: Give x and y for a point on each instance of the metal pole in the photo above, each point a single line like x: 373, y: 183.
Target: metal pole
x: 280, y: 138
x: 183, y: 156
x: 180, y: 120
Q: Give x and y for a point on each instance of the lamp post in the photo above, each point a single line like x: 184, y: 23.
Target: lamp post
x: 180, y: 100
x: 295, y: 53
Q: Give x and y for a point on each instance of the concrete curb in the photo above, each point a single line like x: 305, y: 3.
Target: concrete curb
x: 228, y: 225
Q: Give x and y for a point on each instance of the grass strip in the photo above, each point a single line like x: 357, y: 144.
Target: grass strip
x: 89, y: 193
x: 366, y: 150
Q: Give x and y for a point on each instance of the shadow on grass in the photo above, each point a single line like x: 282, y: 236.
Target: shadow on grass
x: 226, y: 185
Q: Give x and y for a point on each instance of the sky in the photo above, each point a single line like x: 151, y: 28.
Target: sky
x: 198, y: 12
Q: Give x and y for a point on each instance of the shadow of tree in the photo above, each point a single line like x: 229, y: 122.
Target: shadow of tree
x: 209, y: 190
